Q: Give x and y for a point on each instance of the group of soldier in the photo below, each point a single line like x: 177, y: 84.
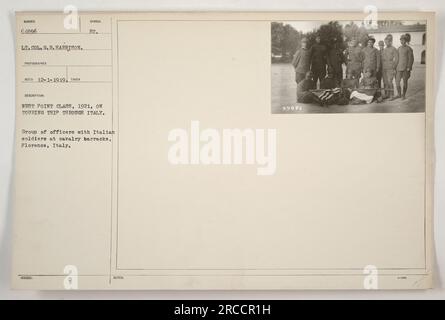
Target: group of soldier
x: 319, y: 63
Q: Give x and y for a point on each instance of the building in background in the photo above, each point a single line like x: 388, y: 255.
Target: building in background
x: 418, y: 37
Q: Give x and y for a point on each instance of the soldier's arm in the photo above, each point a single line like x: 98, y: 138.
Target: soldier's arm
x: 296, y: 58
x: 410, y: 59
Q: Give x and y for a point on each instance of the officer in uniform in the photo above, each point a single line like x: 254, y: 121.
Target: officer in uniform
x: 318, y: 61
x: 404, y: 66
x: 379, y: 70
x: 390, y: 59
x: 354, y: 59
x: 302, y: 61
x: 371, y: 57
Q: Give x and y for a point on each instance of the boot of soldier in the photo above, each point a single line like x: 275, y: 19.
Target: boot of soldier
x: 398, y: 94
x: 404, y: 93
x: 390, y: 95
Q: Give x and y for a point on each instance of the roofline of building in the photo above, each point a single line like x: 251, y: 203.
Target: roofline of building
x: 394, y: 29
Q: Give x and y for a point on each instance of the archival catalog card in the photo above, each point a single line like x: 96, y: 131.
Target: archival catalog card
x: 198, y: 150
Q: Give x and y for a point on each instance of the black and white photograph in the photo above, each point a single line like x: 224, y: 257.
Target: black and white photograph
x: 348, y: 66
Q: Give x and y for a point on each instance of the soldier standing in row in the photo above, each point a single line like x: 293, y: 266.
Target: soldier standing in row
x: 318, y: 61
x: 354, y: 59
x: 302, y: 61
x: 404, y: 66
x: 379, y: 74
x: 335, y: 60
x: 371, y: 57
x: 390, y: 59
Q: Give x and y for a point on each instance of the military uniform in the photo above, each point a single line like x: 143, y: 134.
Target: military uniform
x: 371, y: 59
x: 301, y: 63
x: 303, y: 93
x: 335, y: 60
x: 406, y: 60
x: 390, y: 59
x: 318, y: 62
x: 404, y: 66
x: 379, y: 74
x: 354, y: 61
